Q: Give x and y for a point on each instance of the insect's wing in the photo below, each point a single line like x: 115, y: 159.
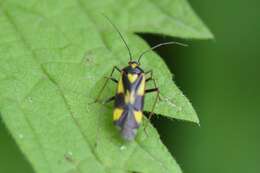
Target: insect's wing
x: 129, y: 99
x: 126, y: 122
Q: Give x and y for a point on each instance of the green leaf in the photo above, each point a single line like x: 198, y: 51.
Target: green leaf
x: 53, y: 59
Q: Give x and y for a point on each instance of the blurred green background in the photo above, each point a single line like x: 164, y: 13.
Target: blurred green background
x: 221, y: 78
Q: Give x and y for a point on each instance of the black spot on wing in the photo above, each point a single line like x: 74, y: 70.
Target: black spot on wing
x: 119, y: 100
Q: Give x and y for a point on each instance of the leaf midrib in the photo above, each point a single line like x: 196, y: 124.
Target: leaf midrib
x: 25, y: 117
x: 27, y: 46
x: 45, y: 74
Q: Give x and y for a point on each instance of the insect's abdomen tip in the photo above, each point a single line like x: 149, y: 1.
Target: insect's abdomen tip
x: 128, y: 134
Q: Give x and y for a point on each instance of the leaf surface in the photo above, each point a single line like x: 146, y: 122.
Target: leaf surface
x: 53, y: 59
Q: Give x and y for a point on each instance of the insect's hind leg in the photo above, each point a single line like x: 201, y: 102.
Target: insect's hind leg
x: 151, y: 113
x: 106, y: 101
x: 155, y: 89
x: 105, y: 84
x: 156, y: 99
x: 98, y: 119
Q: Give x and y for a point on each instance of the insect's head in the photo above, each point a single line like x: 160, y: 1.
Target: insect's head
x: 133, y: 64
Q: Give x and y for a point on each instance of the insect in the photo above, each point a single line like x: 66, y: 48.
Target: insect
x: 130, y: 92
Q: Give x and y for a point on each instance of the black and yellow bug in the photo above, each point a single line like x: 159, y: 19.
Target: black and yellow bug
x: 130, y: 92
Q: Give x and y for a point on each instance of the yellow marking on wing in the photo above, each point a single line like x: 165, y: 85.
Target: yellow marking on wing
x: 141, y: 88
x: 129, y: 97
x: 120, y: 86
x: 132, y: 77
x: 117, y: 113
x: 138, y: 116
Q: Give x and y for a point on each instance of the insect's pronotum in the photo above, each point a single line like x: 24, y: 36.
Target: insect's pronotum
x: 130, y: 92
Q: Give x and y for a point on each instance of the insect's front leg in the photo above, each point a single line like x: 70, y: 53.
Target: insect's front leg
x: 151, y: 75
x: 150, y: 78
x: 107, y: 79
x: 109, y: 100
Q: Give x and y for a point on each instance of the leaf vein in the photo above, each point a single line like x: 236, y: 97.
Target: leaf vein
x: 23, y: 40
x: 26, y: 119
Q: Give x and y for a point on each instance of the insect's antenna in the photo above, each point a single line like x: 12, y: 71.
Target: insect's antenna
x: 159, y: 45
x: 121, y: 36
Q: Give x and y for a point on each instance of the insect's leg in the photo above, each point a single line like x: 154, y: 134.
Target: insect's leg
x: 155, y: 89
x: 112, y: 79
x: 149, y: 71
x: 105, y: 84
x: 150, y: 78
x: 151, y: 75
x: 106, y: 101
x: 153, y: 106
x: 109, y: 100
x: 98, y: 119
x: 156, y: 99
